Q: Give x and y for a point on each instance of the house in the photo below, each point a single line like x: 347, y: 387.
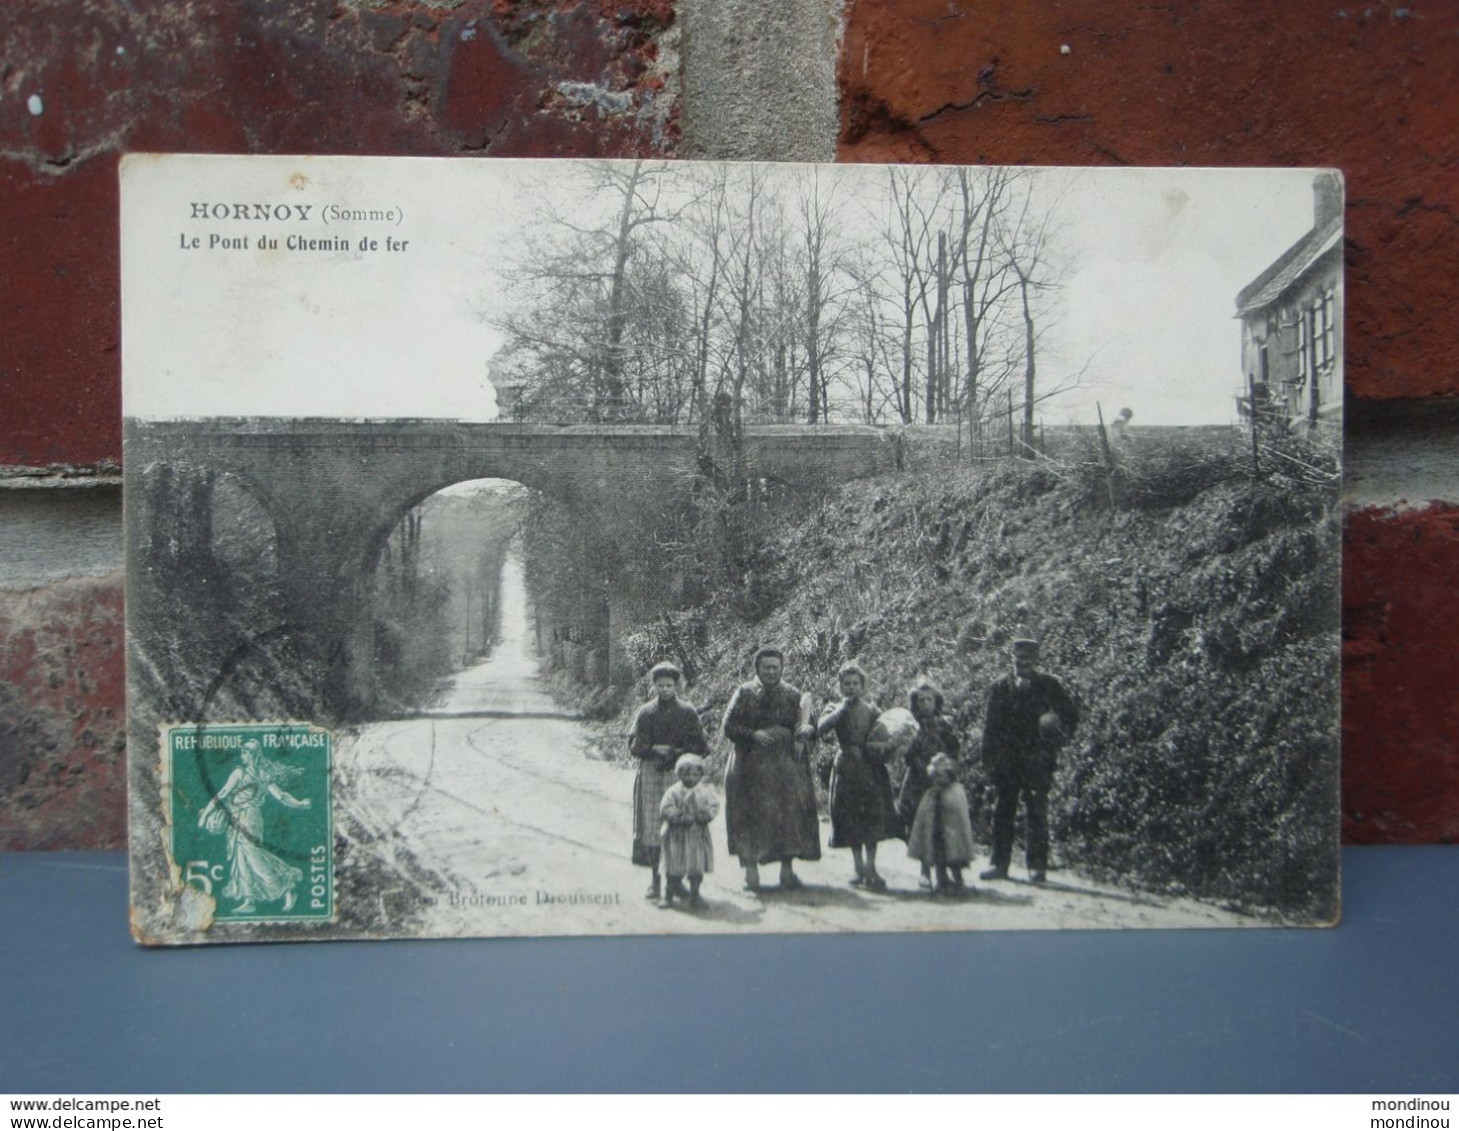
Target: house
x: 1291, y: 323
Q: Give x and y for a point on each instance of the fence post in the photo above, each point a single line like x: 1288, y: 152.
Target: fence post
x: 1010, y: 423
x: 1109, y: 462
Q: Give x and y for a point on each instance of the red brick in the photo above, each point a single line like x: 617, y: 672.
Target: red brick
x: 1400, y: 667
x: 1189, y: 83
x: 59, y: 358
x: 62, y: 733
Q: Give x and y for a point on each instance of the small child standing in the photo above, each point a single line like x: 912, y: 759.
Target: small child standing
x: 942, y: 831
x: 687, y: 808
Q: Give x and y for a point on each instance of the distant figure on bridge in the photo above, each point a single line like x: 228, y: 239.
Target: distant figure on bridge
x: 663, y: 729
x: 688, y: 851
x: 1119, y: 427
x: 769, y: 793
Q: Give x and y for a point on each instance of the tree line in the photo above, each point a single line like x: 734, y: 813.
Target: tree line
x: 720, y: 295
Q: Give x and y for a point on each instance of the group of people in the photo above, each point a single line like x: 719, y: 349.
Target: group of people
x: 769, y: 785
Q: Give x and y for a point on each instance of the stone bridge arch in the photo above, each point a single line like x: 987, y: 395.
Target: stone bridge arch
x: 583, y: 516
x: 336, y: 488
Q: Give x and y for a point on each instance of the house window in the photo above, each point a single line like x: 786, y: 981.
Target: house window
x: 1319, y: 335
x: 1329, y: 326
x: 1323, y: 333
x: 1304, y: 345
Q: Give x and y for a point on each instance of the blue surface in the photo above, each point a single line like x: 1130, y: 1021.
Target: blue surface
x: 1372, y: 1006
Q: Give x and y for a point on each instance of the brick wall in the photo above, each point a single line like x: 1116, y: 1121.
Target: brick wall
x: 1365, y: 87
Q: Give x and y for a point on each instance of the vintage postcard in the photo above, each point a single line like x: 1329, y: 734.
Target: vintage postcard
x: 595, y: 547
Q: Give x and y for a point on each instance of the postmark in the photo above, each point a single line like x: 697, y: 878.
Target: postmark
x: 251, y: 818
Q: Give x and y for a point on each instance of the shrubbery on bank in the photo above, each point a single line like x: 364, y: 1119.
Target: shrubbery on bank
x: 1186, y: 593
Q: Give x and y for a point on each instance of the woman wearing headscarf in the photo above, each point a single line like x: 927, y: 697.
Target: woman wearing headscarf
x: 769, y: 793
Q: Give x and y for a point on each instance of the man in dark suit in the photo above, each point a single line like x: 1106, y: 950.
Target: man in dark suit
x: 1029, y: 717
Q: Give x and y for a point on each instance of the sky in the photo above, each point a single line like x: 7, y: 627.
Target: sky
x: 1149, y: 300
x: 1150, y: 261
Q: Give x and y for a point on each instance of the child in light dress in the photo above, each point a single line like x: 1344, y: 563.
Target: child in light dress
x: 687, y: 808
x: 942, y: 831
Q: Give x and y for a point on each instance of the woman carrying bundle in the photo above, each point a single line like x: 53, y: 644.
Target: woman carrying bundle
x: 862, y: 813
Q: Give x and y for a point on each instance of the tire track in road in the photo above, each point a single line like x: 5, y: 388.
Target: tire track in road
x: 498, y: 815
x: 425, y: 784
x: 425, y: 781
x: 512, y: 764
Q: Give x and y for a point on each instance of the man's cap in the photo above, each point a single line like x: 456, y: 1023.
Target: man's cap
x: 1025, y: 643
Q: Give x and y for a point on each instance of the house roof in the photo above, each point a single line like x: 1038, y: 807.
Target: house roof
x: 1289, y: 267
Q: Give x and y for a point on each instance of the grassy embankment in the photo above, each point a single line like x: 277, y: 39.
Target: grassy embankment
x: 1190, y: 603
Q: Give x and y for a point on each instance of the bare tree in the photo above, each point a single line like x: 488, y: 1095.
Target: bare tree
x: 904, y: 239
x: 1025, y: 247
x: 874, y: 380
x: 700, y: 263
x: 568, y: 342
x: 816, y: 211
x: 986, y: 281
x: 744, y: 290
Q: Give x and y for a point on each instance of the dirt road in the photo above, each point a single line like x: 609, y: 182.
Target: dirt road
x: 492, y: 803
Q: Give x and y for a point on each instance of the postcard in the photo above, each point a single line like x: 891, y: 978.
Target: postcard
x: 634, y: 547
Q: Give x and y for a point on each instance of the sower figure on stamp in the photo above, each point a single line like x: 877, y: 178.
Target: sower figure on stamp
x: 663, y: 729
x: 255, y: 875
x: 769, y: 794
x: 1029, y: 717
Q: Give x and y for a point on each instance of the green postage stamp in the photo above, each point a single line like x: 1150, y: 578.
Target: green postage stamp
x: 251, y: 819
